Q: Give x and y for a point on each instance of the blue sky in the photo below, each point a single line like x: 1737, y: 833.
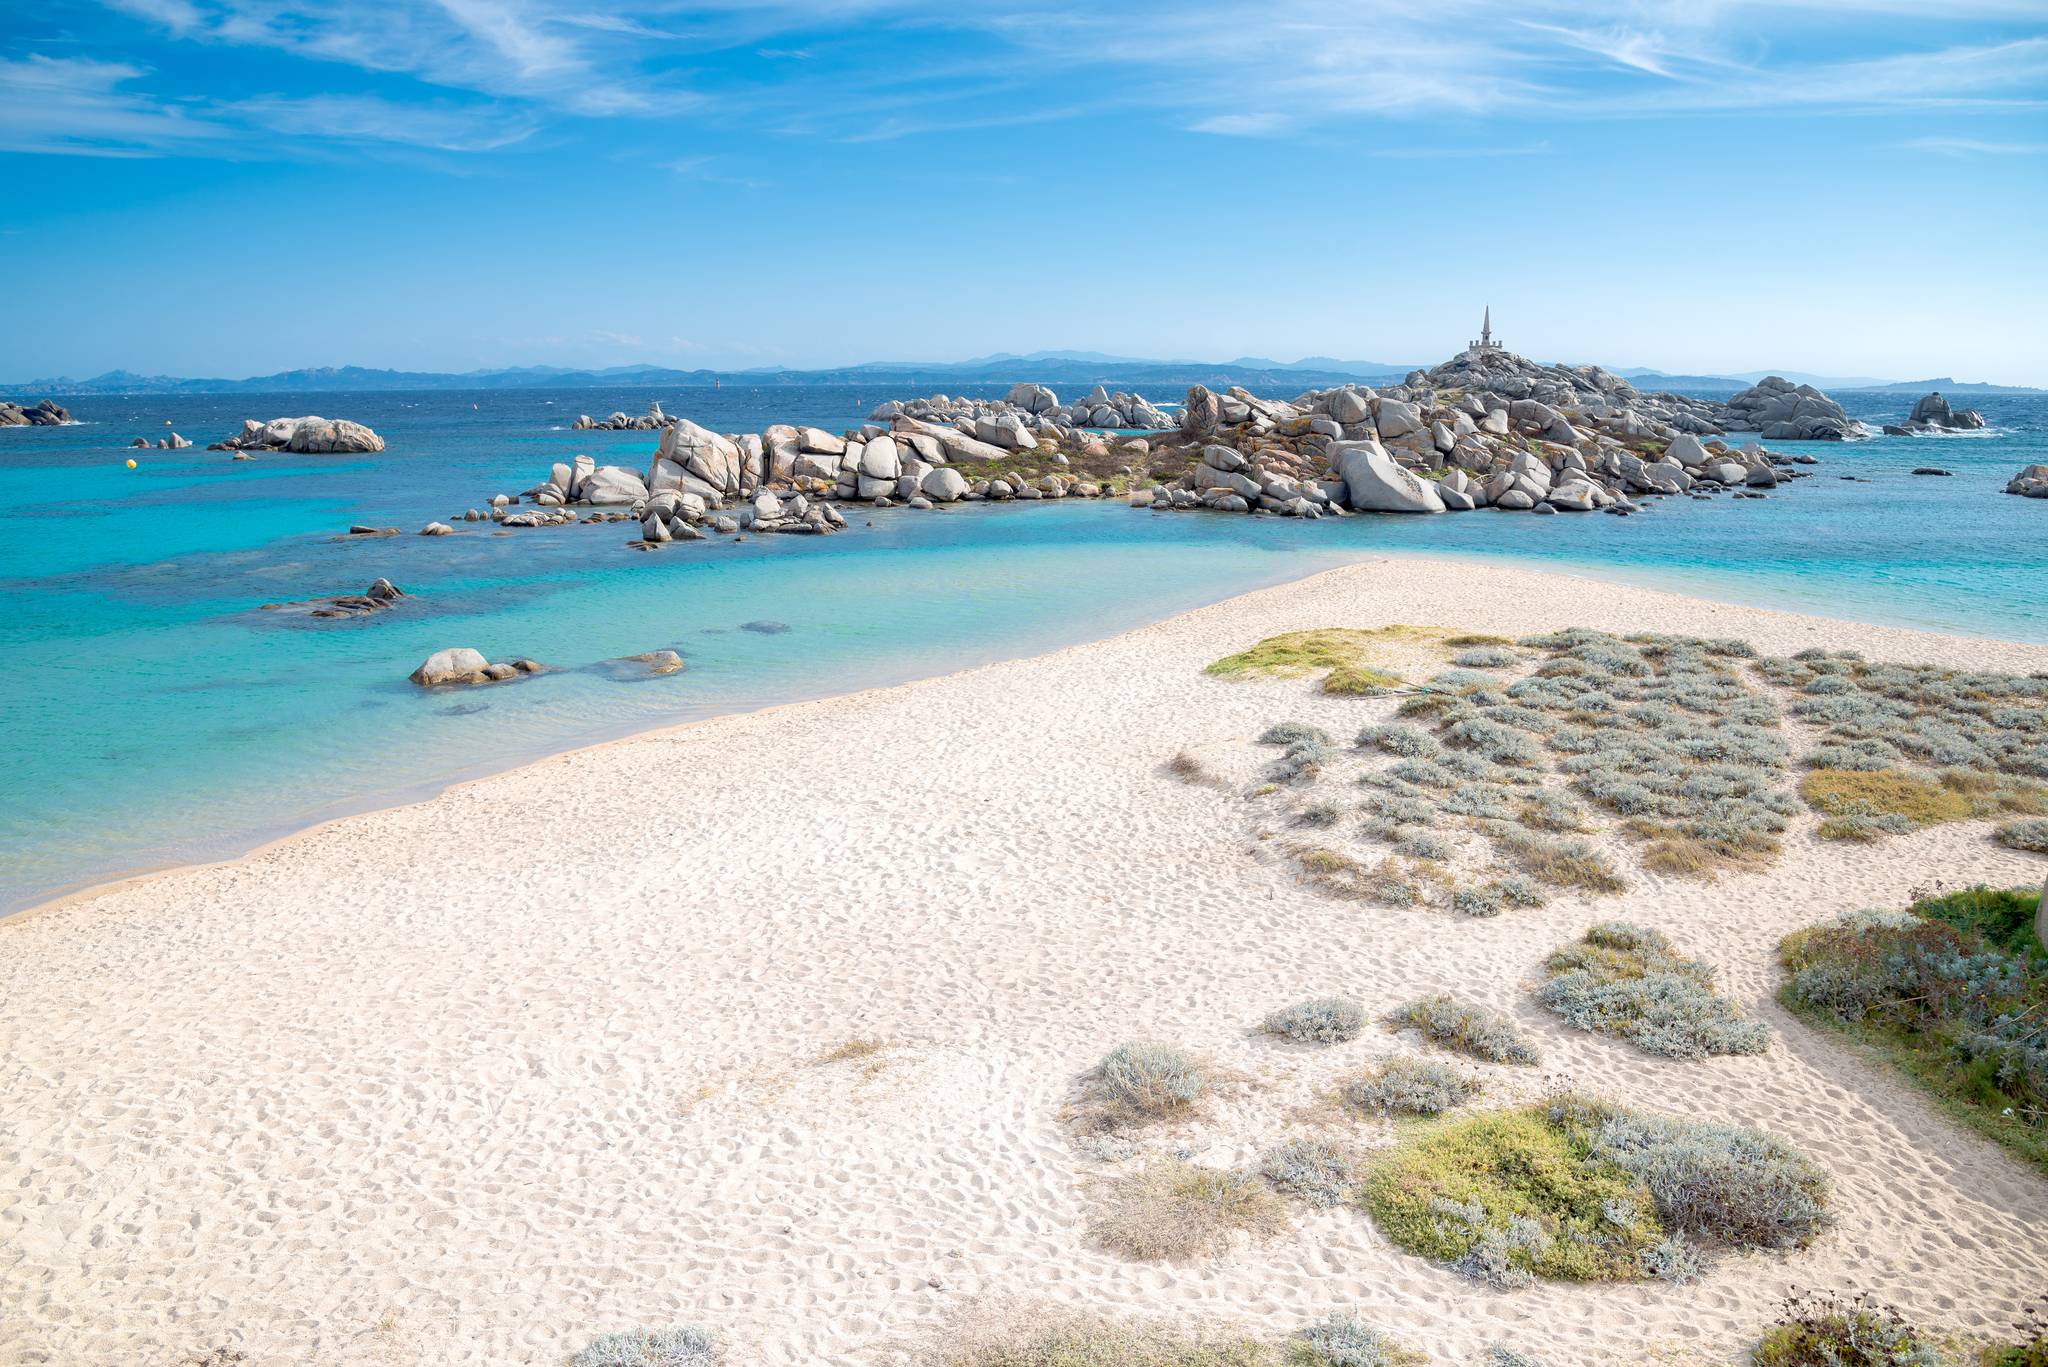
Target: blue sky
x: 233, y: 187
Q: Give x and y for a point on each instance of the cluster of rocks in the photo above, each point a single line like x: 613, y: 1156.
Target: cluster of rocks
x: 1777, y: 410
x: 310, y: 436
x: 173, y: 442
x: 1421, y: 447
x: 1496, y: 371
x: 46, y: 413
x: 381, y: 594
x: 2031, y: 482
x: 1932, y: 416
x: 461, y: 665
x: 652, y: 420
x: 1030, y: 412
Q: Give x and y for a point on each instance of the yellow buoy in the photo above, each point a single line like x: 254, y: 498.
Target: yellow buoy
x: 131, y: 463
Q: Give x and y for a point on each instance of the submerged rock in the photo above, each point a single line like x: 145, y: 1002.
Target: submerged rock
x: 658, y: 661
x: 461, y: 665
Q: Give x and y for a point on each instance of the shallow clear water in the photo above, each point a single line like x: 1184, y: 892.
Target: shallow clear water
x: 155, y: 714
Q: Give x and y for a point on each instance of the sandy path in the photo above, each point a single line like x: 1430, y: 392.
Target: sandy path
x: 469, y: 1081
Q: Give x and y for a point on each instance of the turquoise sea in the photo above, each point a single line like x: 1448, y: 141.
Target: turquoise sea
x: 153, y: 714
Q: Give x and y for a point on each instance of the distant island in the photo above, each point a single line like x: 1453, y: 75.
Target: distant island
x: 1069, y: 368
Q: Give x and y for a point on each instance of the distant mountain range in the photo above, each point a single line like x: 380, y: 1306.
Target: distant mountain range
x: 1068, y: 368
x: 1048, y: 367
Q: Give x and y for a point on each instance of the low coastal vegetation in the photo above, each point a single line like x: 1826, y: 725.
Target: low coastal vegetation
x: 680, y: 1346
x: 1822, y: 1329
x: 1320, y: 1171
x: 1627, y: 981
x: 1953, y: 992
x: 1909, y: 746
x: 1468, y: 1029
x: 1531, y: 767
x: 1344, y: 657
x: 1020, y: 1335
x: 1326, y: 1020
x: 1579, y: 1190
x: 1409, y: 1086
x: 1173, y: 1211
x: 1825, y: 1329
x: 1140, y: 1083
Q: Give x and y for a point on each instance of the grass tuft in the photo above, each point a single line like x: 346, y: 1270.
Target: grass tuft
x: 1174, y: 1211
x: 680, y: 1346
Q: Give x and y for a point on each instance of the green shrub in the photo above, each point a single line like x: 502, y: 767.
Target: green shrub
x: 1582, y: 1191
x: 1626, y: 980
x: 1940, y: 997
x: 1824, y: 1330
x: 2003, y: 916
x: 1468, y: 1029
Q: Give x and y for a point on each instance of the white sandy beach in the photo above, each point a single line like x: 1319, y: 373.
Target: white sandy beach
x: 473, y: 1080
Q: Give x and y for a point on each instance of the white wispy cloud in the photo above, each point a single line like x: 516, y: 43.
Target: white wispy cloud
x: 494, y: 73
x: 82, y: 106
x: 1977, y: 147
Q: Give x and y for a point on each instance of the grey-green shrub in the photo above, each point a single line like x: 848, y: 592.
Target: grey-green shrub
x: 1721, y: 1183
x: 2031, y: 835
x: 680, y: 1346
x: 1626, y: 980
x: 1151, y: 1079
x: 1410, y: 742
x: 1485, y: 657
x: 1479, y: 902
x: 1469, y: 1029
x: 1293, y: 733
x: 1344, y: 1340
x: 1410, y: 1086
x: 1319, y: 1171
x: 1326, y: 1020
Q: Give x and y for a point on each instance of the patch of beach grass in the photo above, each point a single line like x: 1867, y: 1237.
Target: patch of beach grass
x: 1626, y: 981
x: 1020, y: 1335
x: 1175, y: 1211
x: 1861, y: 804
x: 1352, y: 661
x: 1561, y: 863
x: 1953, y: 993
x: 851, y: 1051
x: 1468, y: 1029
x: 1579, y: 1190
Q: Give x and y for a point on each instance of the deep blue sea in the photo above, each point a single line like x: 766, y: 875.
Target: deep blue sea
x: 153, y: 714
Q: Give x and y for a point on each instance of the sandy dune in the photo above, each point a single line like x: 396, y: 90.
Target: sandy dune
x: 472, y: 1080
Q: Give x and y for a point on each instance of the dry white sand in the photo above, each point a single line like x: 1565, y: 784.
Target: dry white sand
x: 472, y: 1080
